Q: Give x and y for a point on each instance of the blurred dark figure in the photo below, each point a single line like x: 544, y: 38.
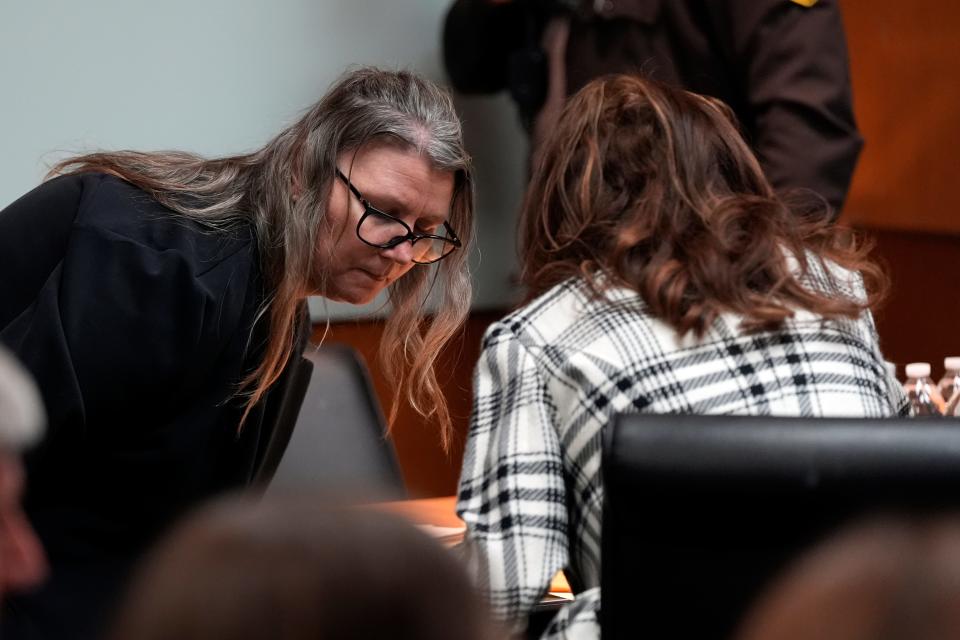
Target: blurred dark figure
x: 781, y: 64
x: 22, y: 561
x: 888, y: 579
x: 290, y: 568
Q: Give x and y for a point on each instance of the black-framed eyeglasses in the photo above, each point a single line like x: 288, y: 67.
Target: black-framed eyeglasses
x: 384, y: 231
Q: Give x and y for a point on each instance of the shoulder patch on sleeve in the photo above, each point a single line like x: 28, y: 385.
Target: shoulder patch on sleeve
x: 804, y: 3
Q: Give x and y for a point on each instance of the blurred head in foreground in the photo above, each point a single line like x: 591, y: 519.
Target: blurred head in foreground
x: 289, y: 568
x: 891, y: 579
x: 22, y: 563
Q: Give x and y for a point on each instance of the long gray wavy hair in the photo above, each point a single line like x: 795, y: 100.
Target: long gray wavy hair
x: 366, y: 105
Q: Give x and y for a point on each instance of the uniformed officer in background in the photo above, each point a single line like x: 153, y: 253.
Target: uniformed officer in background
x: 780, y: 64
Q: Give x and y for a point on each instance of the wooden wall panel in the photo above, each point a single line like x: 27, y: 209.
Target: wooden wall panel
x: 921, y: 319
x: 906, y: 90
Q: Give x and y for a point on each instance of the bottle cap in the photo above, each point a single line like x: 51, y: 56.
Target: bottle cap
x: 918, y: 370
x: 951, y: 362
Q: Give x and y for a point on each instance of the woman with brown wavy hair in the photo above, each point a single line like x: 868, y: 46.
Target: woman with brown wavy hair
x: 157, y: 297
x: 663, y: 275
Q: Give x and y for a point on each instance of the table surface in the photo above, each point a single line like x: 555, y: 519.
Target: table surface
x: 442, y: 512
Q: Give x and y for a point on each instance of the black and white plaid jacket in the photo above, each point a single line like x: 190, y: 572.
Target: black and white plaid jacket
x: 553, y: 373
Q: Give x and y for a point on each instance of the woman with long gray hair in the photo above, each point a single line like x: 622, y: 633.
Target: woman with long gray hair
x: 159, y: 297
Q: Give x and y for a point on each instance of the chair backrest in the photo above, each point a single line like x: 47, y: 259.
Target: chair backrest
x: 700, y: 512
x: 339, y: 444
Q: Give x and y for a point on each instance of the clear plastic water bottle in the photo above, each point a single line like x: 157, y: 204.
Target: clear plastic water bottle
x: 949, y: 385
x: 925, y: 398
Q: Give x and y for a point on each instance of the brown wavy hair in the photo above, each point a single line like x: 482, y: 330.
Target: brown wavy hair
x: 653, y: 188
x: 365, y: 106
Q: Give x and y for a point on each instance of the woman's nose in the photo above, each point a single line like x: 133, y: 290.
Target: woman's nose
x: 403, y: 253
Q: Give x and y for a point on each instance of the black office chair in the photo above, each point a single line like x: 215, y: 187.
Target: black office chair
x: 332, y: 437
x: 701, y: 512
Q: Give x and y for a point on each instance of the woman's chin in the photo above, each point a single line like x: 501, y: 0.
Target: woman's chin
x: 358, y: 296
x: 358, y: 289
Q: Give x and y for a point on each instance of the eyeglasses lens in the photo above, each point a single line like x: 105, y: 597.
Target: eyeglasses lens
x: 382, y: 231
